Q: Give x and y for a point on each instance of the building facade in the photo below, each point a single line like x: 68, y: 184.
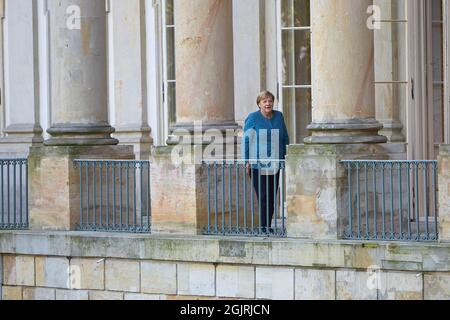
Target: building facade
x: 356, y: 80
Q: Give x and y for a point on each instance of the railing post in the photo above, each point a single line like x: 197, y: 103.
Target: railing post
x: 444, y: 193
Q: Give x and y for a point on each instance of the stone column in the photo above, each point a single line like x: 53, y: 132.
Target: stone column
x: 204, y: 64
x: 78, y: 73
x: 344, y: 125
x: 343, y: 74
x: 80, y: 129
x: 130, y: 84
x: 390, y: 66
x: 444, y: 193
x: 20, y: 95
x: 204, y: 95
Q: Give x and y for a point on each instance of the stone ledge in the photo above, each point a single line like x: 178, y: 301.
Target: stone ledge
x: 201, y: 249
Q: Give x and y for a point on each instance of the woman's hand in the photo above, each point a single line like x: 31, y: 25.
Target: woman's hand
x: 247, y: 168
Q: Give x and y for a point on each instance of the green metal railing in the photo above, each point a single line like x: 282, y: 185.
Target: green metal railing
x: 245, y: 203
x: 391, y: 200
x: 114, y: 196
x: 14, y: 194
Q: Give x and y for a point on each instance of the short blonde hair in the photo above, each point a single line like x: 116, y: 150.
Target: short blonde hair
x: 263, y: 95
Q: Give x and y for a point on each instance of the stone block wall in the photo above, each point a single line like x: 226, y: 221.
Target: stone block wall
x: 125, y: 267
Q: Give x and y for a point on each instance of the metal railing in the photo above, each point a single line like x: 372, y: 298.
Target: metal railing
x: 391, y: 200
x: 14, y: 194
x: 234, y: 204
x: 114, y: 195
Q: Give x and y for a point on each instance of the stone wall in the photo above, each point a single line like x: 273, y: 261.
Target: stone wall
x: 109, y: 266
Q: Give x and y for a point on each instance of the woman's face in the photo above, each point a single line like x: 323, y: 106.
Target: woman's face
x: 266, y: 105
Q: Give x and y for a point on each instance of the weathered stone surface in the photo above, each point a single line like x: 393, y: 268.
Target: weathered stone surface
x: 315, y: 284
x: 52, y: 272
x: 91, y: 274
x: 437, y: 286
x: 39, y: 294
x: 401, y: 286
x: 274, y: 283
x: 11, y: 293
x: 317, y: 188
x: 196, y: 279
x: 444, y: 193
x: 72, y: 295
x: 54, y: 179
x: 158, y: 277
x: 136, y: 296
x: 236, y: 281
x: 18, y: 270
x: 122, y: 275
x: 177, y: 188
x: 356, y: 285
x: 105, y: 295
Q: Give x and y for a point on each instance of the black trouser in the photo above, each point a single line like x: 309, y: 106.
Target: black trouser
x: 267, y: 195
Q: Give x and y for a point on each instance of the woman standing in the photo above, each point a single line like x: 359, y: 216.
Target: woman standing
x: 264, y: 145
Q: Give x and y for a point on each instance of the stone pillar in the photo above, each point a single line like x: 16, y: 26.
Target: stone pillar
x: 204, y: 95
x: 344, y: 125
x: 343, y: 74
x: 20, y: 95
x: 80, y: 129
x: 204, y: 65
x: 129, y: 73
x: 444, y: 193
x: 390, y: 46
x: 78, y: 73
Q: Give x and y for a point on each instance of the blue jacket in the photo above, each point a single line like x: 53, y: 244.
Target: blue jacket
x: 263, y: 138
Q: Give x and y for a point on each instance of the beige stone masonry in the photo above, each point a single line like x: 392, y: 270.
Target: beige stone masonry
x: 444, y: 193
x: 236, y: 281
x: 105, y: 295
x: 315, y: 284
x: 196, y: 279
x: 91, y: 273
x: 52, y: 272
x: 11, y: 293
x: 39, y: 294
x: 158, y: 277
x: 18, y: 270
x: 140, y: 296
x: 274, y: 283
x: 122, y: 275
x: 437, y: 286
x: 54, y: 179
x: 72, y: 295
x: 401, y: 286
x: 353, y: 285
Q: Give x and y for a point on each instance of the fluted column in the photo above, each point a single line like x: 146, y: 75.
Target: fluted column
x: 343, y: 74
x: 204, y: 64
x: 78, y: 75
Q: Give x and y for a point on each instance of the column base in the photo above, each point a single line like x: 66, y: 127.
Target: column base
x: 392, y: 130
x: 81, y: 135
x: 54, y: 199
x: 203, y: 133
x: 351, y: 131
x: 137, y: 136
